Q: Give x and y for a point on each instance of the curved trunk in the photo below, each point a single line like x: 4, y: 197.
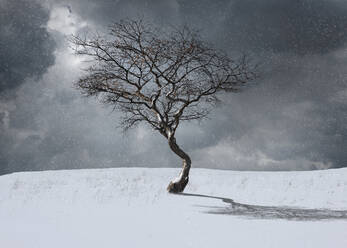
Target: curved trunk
x: 178, y: 185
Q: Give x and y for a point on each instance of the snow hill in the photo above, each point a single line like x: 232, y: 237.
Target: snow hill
x: 129, y: 207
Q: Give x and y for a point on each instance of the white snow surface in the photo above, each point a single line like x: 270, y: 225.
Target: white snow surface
x: 129, y: 207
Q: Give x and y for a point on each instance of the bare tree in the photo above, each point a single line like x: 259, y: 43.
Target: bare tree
x: 159, y: 78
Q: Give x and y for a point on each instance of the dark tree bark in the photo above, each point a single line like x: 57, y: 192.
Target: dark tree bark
x: 178, y: 185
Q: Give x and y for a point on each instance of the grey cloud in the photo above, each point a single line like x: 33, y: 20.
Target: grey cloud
x: 292, y: 115
x: 25, y: 45
x: 103, y: 12
x: 51, y: 126
x: 299, y: 26
x: 292, y: 118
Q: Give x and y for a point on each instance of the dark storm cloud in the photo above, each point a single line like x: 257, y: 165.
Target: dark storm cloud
x: 25, y: 45
x: 292, y: 118
x: 297, y: 113
x: 104, y: 12
x: 26, y: 51
x: 298, y: 26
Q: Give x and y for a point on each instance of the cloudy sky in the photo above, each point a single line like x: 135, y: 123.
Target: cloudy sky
x: 292, y: 118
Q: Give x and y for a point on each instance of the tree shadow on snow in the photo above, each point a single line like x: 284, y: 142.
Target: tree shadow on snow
x: 271, y: 212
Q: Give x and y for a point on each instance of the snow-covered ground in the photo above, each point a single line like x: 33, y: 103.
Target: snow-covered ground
x: 129, y: 207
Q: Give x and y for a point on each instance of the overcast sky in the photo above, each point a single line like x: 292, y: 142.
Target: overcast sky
x: 293, y: 118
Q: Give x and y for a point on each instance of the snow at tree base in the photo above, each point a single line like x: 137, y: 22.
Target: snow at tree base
x: 129, y: 207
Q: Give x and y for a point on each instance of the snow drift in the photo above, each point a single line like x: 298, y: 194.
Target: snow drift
x: 129, y: 207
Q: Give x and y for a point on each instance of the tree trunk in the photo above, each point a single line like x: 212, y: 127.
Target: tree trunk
x: 178, y: 185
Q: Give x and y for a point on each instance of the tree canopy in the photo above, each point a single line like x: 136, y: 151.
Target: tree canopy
x: 159, y: 77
